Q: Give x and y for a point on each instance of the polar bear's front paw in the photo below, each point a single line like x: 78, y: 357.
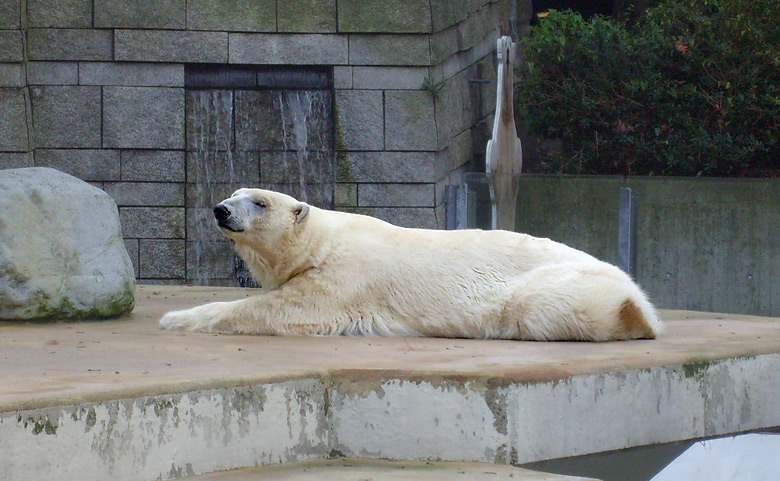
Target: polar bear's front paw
x: 203, y: 318
x: 176, y: 321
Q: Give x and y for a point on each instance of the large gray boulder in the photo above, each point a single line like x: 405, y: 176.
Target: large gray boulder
x: 61, y: 249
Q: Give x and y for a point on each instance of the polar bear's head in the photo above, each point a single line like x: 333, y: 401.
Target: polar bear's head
x: 258, y: 217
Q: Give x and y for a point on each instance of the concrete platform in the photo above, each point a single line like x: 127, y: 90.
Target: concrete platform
x: 124, y: 399
x: 381, y: 470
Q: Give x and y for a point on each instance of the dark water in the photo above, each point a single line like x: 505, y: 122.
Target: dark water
x: 745, y: 457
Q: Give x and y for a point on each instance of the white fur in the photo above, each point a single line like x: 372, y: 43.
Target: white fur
x: 326, y: 272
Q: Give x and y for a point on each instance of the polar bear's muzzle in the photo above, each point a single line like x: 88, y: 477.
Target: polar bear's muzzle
x: 225, y: 218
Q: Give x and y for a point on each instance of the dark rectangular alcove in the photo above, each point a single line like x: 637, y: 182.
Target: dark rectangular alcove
x: 252, y: 126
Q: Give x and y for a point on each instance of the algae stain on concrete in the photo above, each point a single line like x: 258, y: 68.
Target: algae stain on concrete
x: 696, y: 369
x: 39, y: 425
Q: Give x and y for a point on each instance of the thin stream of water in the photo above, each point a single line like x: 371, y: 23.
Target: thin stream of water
x: 279, y: 140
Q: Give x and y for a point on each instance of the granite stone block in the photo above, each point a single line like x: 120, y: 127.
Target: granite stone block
x: 386, y: 167
x: 15, y: 160
x: 396, y: 195
x: 10, y: 14
x: 346, y: 195
x: 52, y: 73
x: 232, y: 15
x: 384, y: 16
x: 417, y: 217
x: 454, y: 108
x: 258, y: 123
x: 402, y: 78
x: 445, y: 13
x: 318, y: 194
x: 306, y: 16
x: 170, y: 46
x: 295, y: 49
x: 478, y: 26
x: 60, y: 13
x: 410, y: 123
x: 314, y: 170
x: 459, y: 151
x: 11, y: 46
x: 94, y: 165
x: 11, y: 75
x: 210, y: 118
x: 389, y: 50
x: 160, y: 282
x: 67, y: 116
x: 230, y: 167
x: 164, y: 194
x: 152, y: 222
x: 162, y: 259
x: 69, y: 44
x: 440, y: 216
x: 152, y: 165
x: 454, y: 64
x: 202, y: 196
x: 342, y: 77
x: 359, y: 120
x: 210, y: 260
x: 131, y: 74
x: 474, y: 5
x: 201, y: 225
x: 487, y: 91
x: 153, y: 14
x: 263, y: 119
x: 444, y: 44
x: 143, y: 117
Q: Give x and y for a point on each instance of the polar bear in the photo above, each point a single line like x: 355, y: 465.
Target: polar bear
x: 325, y: 272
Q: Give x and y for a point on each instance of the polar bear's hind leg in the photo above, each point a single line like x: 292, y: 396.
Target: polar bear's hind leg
x: 587, y: 302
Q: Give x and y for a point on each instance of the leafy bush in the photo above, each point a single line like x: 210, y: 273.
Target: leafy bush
x: 693, y: 88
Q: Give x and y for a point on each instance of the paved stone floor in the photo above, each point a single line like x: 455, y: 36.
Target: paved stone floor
x: 53, y: 364
x: 126, y: 400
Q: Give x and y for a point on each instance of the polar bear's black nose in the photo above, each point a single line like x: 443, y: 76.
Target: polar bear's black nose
x: 221, y: 212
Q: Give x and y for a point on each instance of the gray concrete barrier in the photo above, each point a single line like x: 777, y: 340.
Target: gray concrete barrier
x: 701, y: 244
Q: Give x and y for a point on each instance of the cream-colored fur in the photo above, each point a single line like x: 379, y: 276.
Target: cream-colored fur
x: 326, y: 272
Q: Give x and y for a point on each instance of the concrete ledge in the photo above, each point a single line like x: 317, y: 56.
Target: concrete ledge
x: 376, y: 470
x: 124, y: 399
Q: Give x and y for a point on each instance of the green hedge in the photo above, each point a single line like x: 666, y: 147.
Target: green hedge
x: 693, y: 88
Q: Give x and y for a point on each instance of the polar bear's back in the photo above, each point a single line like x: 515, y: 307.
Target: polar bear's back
x: 461, y: 283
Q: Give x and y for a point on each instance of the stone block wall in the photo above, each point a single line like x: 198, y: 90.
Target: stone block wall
x: 96, y: 88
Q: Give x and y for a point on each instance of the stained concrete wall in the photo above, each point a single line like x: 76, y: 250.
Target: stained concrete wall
x: 461, y: 418
x: 702, y: 244
x: 96, y: 88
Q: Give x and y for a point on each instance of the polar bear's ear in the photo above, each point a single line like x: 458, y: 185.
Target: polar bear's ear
x: 301, y: 210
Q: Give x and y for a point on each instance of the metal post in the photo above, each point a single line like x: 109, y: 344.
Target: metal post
x: 627, y: 212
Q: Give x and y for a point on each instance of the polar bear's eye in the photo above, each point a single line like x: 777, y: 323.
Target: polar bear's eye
x: 260, y: 204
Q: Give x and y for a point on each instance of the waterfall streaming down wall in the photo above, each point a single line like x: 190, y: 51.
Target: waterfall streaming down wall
x: 305, y: 168
x: 214, y: 170
x: 275, y: 139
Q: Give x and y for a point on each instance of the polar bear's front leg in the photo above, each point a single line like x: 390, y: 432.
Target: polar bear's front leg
x: 280, y: 312
x: 211, y: 317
